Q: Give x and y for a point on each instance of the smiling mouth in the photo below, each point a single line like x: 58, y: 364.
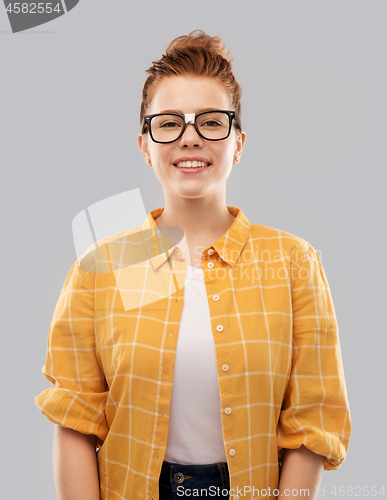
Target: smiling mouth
x: 191, y: 164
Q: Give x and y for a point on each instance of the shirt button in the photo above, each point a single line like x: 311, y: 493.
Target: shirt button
x: 210, y: 265
x: 227, y: 410
x: 211, y: 251
x: 219, y: 328
x: 232, y: 452
x: 225, y: 368
x: 236, y: 497
x: 215, y: 298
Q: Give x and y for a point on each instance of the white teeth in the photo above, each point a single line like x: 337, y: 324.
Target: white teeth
x: 192, y: 164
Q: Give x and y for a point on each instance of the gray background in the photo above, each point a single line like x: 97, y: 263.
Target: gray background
x: 314, y: 104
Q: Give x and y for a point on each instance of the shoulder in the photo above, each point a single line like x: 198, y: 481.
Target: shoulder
x: 271, y: 244
x: 95, y: 258
x: 268, y: 236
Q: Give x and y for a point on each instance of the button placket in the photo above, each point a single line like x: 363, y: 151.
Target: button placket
x: 225, y: 367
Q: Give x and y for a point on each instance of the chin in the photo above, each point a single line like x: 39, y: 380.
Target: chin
x: 191, y: 194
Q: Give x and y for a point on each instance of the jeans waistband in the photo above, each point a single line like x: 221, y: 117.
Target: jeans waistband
x: 174, y: 475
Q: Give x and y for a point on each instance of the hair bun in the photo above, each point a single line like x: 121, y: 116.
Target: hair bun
x: 213, y: 45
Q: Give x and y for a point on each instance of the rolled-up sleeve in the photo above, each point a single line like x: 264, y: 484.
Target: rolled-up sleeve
x: 315, y: 411
x: 78, y: 398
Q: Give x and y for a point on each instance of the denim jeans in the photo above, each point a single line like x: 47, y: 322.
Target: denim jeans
x: 191, y: 482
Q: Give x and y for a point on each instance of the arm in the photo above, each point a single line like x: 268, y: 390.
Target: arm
x: 315, y: 410
x: 301, y: 470
x: 75, y: 465
x: 76, y: 402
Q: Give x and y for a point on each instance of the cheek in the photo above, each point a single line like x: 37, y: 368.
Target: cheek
x: 159, y: 172
x: 227, y: 161
x: 225, y: 154
x: 163, y: 172
x: 161, y: 158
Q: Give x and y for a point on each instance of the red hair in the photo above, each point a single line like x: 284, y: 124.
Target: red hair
x: 195, y: 54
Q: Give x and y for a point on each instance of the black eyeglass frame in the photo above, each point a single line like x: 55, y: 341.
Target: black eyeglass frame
x: 231, y: 115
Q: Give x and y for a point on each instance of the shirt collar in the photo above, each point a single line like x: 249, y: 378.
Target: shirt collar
x: 228, y: 247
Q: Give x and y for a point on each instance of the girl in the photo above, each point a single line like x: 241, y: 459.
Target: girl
x: 206, y: 367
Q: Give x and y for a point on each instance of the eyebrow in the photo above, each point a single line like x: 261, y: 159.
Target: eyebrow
x: 182, y: 113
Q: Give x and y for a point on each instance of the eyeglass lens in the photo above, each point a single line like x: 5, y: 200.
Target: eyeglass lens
x: 213, y: 125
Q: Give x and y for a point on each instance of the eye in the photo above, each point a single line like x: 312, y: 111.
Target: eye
x: 210, y: 121
x: 169, y: 125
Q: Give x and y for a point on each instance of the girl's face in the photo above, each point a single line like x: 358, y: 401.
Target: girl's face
x: 191, y: 94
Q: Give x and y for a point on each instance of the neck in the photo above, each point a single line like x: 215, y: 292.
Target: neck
x: 197, y: 216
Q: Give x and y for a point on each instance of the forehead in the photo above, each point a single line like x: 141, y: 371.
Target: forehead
x: 189, y: 94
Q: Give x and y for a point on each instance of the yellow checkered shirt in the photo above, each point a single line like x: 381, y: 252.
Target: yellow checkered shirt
x: 112, y: 344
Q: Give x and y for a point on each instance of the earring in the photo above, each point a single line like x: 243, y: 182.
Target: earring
x: 237, y: 158
x: 148, y: 161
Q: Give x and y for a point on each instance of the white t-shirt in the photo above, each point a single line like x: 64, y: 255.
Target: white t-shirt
x: 195, y: 428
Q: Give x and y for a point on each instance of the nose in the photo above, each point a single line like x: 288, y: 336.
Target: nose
x: 190, y: 136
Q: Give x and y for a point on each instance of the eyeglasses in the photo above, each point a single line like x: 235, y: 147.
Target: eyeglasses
x: 210, y: 125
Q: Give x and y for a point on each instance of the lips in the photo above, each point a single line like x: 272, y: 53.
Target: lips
x: 191, y: 170
x: 191, y: 159
x: 192, y: 164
